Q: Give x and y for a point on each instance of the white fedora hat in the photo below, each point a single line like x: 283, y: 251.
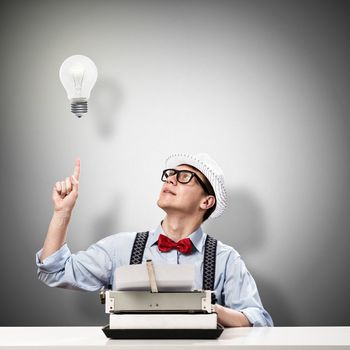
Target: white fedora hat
x: 210, y: 169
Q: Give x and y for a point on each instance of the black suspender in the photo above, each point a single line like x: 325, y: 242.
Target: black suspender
x: 138, y: 248
x: 209, y: 263
x: 209, y: 257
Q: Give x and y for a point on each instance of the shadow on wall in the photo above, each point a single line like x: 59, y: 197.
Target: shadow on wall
x: 243, y: 227
x: 107, y: 99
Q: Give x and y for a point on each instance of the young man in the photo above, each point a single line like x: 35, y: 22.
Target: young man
x: 193, y: 190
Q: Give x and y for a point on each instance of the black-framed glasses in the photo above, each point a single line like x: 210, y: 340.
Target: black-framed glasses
x: 184, y: 177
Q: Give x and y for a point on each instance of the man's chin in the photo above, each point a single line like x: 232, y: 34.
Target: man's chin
x: 160, y: 204
x: 163, y: 205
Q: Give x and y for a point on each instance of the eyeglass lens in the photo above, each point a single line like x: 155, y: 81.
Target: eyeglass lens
x: 182, y: 176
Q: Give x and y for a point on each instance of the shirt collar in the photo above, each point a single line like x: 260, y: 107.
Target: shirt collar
x: 197, y: 237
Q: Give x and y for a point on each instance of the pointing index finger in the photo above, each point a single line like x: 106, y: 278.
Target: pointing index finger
x: 76, y: 172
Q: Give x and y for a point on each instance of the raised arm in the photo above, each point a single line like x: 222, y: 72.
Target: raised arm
x: 64, y: 197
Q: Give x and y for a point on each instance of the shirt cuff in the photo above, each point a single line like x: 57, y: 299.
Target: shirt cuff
x: 55, y: 262
x: 256, y: 318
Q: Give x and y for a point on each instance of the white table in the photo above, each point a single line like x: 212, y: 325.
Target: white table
x: 232, y: 338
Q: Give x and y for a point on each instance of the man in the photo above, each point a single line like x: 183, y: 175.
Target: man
x: 193, y: 190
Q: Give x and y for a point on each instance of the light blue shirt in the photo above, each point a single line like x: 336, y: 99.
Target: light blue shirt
x: 93, y: 269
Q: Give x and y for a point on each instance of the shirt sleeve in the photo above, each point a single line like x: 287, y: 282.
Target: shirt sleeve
x: 240, y: 293
x: 88, y: 270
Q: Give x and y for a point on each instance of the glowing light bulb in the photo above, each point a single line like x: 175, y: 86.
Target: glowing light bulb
x: 78, y: 75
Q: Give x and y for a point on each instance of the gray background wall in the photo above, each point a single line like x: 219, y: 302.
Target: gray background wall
x: 263, y: 86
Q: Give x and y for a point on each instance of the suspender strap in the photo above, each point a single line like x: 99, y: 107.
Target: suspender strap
x: 138, y: 248
x: 209, y: 263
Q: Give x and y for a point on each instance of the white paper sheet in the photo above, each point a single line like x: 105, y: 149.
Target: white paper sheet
x: 169, y: 277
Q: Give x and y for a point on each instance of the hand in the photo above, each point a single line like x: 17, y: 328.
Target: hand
x: 65, y: 193
x: 231, y: 318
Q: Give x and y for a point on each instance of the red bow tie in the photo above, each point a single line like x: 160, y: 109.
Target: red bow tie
x: 165, y: 244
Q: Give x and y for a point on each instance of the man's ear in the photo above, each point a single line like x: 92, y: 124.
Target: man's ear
x: 207, y: 202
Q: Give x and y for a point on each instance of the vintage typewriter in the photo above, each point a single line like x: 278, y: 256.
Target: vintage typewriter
x: 157, y: 314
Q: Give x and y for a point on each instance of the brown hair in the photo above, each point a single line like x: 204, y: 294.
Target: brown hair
x: 211, y: 192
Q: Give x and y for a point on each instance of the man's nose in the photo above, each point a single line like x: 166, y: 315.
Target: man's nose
x: 171, y: 179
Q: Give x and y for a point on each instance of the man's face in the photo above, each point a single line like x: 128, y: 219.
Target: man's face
x: 185, y: 198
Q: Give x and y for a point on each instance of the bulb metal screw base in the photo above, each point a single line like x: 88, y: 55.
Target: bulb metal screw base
x: 79, y: 108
